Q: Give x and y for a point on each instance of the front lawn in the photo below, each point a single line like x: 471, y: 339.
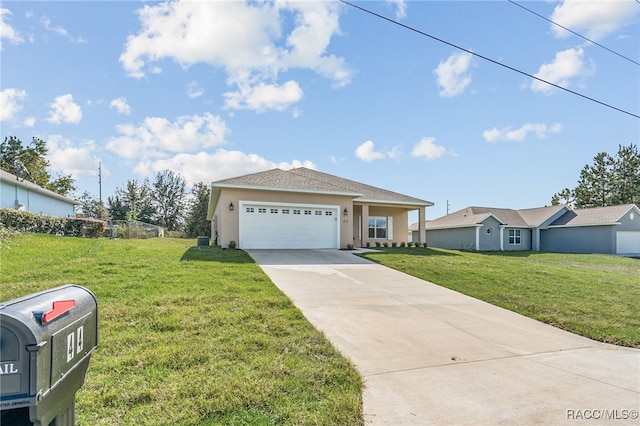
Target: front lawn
x: 596, y: 296
x: 188, y: 336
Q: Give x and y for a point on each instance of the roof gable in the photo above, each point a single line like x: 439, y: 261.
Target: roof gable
x: 594, y: 216
x: 474, y: 216
x: 306, y: 180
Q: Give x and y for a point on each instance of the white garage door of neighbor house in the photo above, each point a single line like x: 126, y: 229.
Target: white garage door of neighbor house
x: 627, y: 242
x: 288, y: 226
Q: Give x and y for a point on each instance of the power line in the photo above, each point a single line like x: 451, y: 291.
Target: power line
x: 573, y: 32
x: 487, y: 58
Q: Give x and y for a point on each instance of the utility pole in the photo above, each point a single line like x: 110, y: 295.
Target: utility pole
x: 100, y: 181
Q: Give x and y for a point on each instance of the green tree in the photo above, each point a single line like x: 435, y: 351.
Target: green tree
x: 607, y: 181
x: 92, y: 207
x: 595, y: 186
x: 169, y: 199
x: 196, y: 222
x: 626, y: 175
x: 31, y: 163
x: 134, y: 201
x: 566, y: 196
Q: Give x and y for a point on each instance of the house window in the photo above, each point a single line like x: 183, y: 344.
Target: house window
x: 514, y: 237
x: 318, y: 213
x: 307, y: 212
x: 285, y: 211
x: 377, y: 227
x: 296, y: 212
x: 274, y: 210
x: 261, y: 210
x: 328, y: 213
x: 249, y: 209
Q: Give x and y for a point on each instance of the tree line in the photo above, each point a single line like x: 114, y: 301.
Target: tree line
x: 164, y: 201
x: 608, y: 181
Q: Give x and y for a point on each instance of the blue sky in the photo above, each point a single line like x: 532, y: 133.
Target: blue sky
x: 218, y: 89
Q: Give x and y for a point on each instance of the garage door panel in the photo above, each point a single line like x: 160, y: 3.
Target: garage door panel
x: 288, y: 226
x: 627, y: 242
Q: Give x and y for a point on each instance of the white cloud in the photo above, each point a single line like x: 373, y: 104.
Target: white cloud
x: 593, y: 19
x: 194, y: 90
x: 367, y: 153
x: 121, y: 105
x: 10, y: 103
x: 566, y: 66
x: 7, y: 31
x: 46, y: 23
x: 509, y: 134
x: 74, y: 159
x: 428, y: 149
x: 401, y: 8
x: 263, y: 97
x: 452, y: 76
x: 155, y: 137
x: 244, y: 38
x: 64, y: 110
x: 208, y: 167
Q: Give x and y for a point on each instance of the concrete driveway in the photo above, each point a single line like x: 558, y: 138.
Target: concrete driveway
x: 430, y: 355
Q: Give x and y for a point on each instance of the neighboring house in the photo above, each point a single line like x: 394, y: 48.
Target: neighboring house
x: 303, y: 208
x: 610, y: 230
x: 17, y: 193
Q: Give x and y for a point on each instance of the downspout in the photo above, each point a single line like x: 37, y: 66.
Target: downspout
x: 478, y: 237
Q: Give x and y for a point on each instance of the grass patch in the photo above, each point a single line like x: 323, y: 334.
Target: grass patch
x: 592, y: 295
x: 188, y: 336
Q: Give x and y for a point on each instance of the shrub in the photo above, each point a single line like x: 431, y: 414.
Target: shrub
x: 378, y: 244
x: 402, y: 244
x: 349, y: 246
x: 394, y: 244
x: 368, y: 244
x: 22, y: 221
x: 385, y: 244
x: 424, y: 244
x: 232, y: 244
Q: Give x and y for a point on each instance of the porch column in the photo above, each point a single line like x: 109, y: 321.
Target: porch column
x: 501, y: 237
x: 477, y: 238
x: 422, y: 227
x: 365, y: 225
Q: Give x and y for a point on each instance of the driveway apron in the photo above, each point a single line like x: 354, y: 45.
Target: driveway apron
x: 430, y: 355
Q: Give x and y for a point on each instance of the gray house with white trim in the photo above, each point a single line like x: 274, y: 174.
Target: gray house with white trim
x: 20, y: 194
x: 611, y: 230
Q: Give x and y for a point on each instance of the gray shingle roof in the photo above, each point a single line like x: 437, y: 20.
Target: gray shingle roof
x: 307, y: 180
x: 474, y: 215
x: 593, y: 216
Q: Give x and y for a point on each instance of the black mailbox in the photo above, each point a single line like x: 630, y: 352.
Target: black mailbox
x: 46, y: 340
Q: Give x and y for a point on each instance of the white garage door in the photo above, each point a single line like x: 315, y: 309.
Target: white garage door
x: 627, y: 242
x: 288, y: 226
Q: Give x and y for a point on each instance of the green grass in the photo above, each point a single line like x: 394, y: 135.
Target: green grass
x: 596, y: 296
x: 188, y: 336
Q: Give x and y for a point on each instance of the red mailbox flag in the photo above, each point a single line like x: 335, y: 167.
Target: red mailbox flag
x: 59, y: 308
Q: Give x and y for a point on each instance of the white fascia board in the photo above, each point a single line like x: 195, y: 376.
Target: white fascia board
x: 398, y: 203
x: 277, y: 189
x: 438, y: 228
x: 580, y: 225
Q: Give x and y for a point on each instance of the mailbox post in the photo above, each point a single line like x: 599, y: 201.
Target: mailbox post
x: 46, y: 341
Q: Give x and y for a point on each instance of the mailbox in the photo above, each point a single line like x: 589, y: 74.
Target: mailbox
x: 46, y: 341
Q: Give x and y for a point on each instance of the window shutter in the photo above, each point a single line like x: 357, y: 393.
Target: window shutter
x: 390, y: 228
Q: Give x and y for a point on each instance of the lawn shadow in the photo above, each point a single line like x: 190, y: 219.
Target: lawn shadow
x: 216, y: 254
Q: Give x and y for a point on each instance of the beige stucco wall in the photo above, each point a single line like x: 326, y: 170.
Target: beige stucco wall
x: 400, y: 215
x: 226, y: 222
